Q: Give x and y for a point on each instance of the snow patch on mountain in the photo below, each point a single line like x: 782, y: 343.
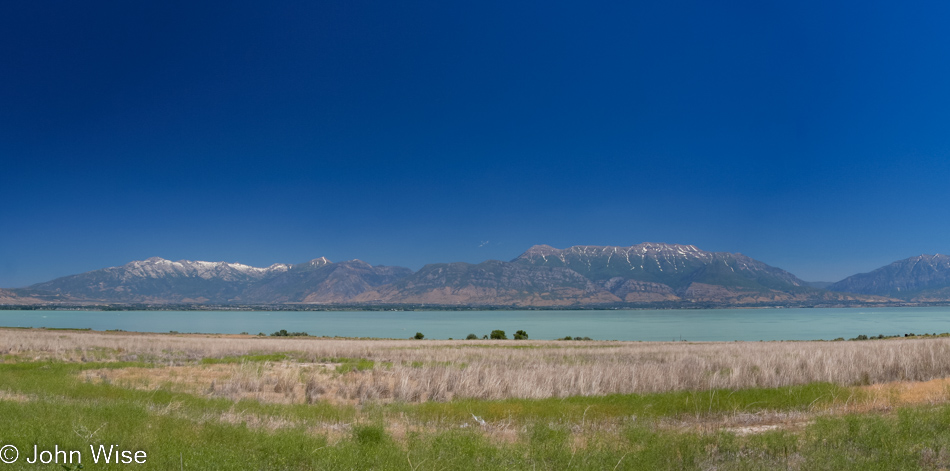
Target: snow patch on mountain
x: 157, y: 267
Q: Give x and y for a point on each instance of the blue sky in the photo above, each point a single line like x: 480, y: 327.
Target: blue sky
x: 810, y: 135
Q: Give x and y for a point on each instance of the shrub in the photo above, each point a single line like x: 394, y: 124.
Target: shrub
x: 419, y: 336
x: 498, y: 335
x: 471, y: 337
x: 369, y: 434
x: 284, y: 333
x: 521, y: 335
x: 313, y: 391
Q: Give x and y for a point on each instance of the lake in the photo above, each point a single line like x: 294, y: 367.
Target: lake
x: 664, y: 325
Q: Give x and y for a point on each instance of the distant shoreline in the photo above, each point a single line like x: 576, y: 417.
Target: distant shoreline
x: 433, y: 307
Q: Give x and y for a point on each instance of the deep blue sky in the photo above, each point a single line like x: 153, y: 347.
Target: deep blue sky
x: 814, y: 136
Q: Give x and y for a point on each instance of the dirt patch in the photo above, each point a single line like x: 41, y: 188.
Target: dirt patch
x: 754, y: 429
x: 743, y: 423
x: 188, y: 379
x: 879, y: 398
x: 13, y: 397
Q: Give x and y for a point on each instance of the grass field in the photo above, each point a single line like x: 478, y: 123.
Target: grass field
x: 242, y: 402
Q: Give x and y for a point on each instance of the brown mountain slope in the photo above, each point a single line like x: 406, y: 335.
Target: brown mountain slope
x: 490, y: 283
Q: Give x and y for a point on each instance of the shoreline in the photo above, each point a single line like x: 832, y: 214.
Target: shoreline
x: 749, y: 325
x: 461, y: 342
x: 96, y: 306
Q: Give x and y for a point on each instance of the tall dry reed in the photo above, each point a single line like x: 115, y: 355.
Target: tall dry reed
x: 407, y: 370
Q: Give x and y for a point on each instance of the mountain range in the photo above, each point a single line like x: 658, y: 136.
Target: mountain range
x: 647, y: 274
x: 923, y: 278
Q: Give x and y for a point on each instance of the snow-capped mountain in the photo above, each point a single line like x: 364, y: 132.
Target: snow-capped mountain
x: 585, y: 275
x: 156, y: 267
x: 682, y: 269
x: 157, y: 280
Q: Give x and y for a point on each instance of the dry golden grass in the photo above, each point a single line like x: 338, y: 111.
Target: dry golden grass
x: 416, y: 371
x: 901, y: 393
x: 884, y: 374
x: 194, y: 379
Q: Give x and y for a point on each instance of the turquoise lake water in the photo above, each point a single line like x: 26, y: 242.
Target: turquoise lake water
x: 665, y: 325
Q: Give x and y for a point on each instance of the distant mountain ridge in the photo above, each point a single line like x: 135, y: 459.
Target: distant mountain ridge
x: 647, y: 274
x: 157, y: 280
x: 14, y: 297
x: 672, y: 270
x: 490, y: 283
x: 922, y: 278
x: 320, y: 281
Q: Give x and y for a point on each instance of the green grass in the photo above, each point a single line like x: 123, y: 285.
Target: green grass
x: 347, y: 365
x: 671, y: 404
x: 444, y: 364
x: 256, y: 358
x: 179, y: 430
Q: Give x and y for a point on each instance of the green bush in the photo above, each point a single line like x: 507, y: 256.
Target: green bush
x: 521, y: 335
x: 369, y: 434
x: 471, y: 337
x: 498, y: 335
x: 419, y: 336
x: 284, y: 333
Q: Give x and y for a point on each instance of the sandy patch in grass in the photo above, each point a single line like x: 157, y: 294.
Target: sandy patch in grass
x: 194, y: 379
x: 13, y: 397
x: 744, y: 423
